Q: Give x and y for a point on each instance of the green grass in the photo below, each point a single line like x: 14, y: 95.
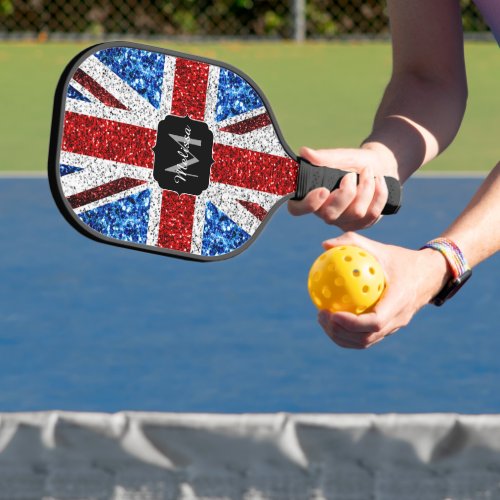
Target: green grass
x: 323, y: 94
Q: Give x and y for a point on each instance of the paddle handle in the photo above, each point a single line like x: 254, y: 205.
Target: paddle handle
x: 311, y: 177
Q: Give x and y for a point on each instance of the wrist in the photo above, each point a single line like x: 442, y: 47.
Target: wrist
x: 457, y: 266
x: 386, y: 157
x: 437, y: 272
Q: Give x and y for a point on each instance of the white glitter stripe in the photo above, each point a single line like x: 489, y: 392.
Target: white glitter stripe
x: 242, y: 117
x: 84, y: 161
x: 97, y: 172
x: 154, y: 214
x: 112, y: 198
x: 211, y: 98
x: 93, y: 177
x: 262, y: 140
x: 100, y: 110
x: 265, y: 200
x: 82, y: 91
x: 236, y: 212
x: 167, y: 90
x: 217, y: 192
x: 198, y: 223
x: 117, y: 87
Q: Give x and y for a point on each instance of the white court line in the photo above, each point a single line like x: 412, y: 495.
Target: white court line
x: 13, y: 174
x: 454, y: 174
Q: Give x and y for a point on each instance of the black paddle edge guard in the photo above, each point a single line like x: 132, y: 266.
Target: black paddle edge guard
x: 312, y: 177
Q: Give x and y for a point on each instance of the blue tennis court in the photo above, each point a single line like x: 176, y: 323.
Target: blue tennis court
x: 91, y: 327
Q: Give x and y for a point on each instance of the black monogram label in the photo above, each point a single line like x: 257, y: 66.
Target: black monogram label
x: 183, y: 155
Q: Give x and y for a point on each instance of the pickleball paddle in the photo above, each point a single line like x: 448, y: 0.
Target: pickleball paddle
x: 171, y: 153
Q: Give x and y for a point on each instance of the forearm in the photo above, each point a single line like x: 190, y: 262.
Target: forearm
x: 424, y: 103
x: 477, y: 230
x: 416, y: 120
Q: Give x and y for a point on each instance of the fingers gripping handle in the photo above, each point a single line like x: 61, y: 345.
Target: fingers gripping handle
x: 312, y: 177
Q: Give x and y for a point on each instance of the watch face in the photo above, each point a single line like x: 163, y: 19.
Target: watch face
x: 451, y: 288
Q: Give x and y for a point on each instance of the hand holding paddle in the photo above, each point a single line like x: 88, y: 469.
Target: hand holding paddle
x: 360, y: 199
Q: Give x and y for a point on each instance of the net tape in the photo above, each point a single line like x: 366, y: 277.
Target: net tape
x: 159, y: 456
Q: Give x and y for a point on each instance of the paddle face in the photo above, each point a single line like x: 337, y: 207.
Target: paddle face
x: 165, y: 152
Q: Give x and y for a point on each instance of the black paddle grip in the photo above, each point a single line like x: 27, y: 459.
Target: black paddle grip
x: 312, y: 177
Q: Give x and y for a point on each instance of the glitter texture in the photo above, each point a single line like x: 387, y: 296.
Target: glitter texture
x: 118, y: 96
x: 235, y: 96
x: 254, y: 170
x: 176, y: 221
x: 125, y: 219
x: 103, y: 191
x: 190, y: 89
x: 74, y: 94
x: 142, y: 70
x: 221, y: 235
x: 249, y: 125
x: 96, y: 90
x: 254, y: 208
x: 109, y: 140
x: 68, y: 169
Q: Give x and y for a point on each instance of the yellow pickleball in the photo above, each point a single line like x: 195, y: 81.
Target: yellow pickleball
x: 346, y: 278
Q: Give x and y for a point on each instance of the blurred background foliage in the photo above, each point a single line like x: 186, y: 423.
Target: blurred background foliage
x: 205, y: 18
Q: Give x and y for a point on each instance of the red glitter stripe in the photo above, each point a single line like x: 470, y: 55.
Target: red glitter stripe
x: 253, y: 170
x: 246, y: 126
x: 95, y: 89
x: 254, y: 209
x: 190, y: 89
x: 109, y: 140
x: 176, y: 221
x: 103, y: 191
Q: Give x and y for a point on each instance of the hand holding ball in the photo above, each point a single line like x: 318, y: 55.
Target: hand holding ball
x: 346, y: 278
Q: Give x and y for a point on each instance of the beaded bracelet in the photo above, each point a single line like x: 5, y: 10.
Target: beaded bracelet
x: 452, y: 254
x: 460, y: 269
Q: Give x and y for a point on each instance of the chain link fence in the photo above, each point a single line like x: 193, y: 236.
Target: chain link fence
x: 297, y: 19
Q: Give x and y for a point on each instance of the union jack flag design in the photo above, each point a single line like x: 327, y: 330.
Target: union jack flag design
x: 115, y: 100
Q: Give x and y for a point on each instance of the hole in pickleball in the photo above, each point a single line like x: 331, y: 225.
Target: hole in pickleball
x: 346, y: 299
x: 379, y: 288
x: 348, y: 258
x: 356, y: 273
x: 339, y: 281
x: 372, y: 270
x: 366, y: 289
x: 359, y: 310
x: 331, y: 268
x: 317, y: 300
x: 362, y: 254
x: 327, y: 293
x: 317, y: 276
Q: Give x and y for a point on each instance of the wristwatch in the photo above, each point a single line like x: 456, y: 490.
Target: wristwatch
x: 460, y: 270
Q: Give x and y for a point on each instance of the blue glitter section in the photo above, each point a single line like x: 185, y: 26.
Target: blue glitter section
x: 68, y: 169
x: 125, y: 219
x: 140, y: 69
x: 74, y: 94
x: 221, y: 235
x: 235, y: 96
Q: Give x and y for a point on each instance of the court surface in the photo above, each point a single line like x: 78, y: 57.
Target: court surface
x: 91, y: 327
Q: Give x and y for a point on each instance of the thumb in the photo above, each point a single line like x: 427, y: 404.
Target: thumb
x: 349, y: 238
x: 352, y: 159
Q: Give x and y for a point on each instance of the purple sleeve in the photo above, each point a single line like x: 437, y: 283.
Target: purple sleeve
x: 490, y: 9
